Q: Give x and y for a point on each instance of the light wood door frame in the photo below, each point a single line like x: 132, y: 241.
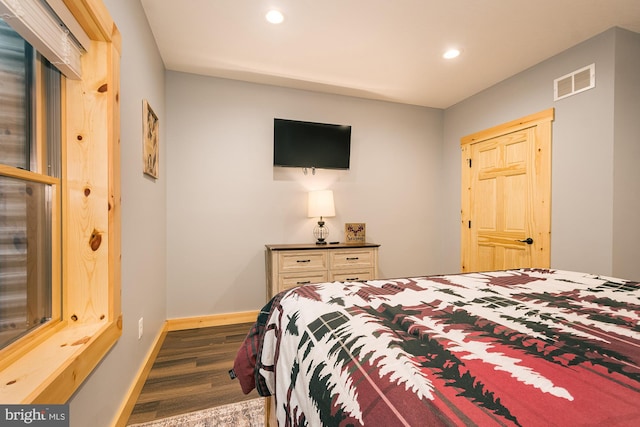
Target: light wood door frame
x: 541, y: 197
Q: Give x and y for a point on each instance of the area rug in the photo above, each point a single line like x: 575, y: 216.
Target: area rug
x: 249, y: 413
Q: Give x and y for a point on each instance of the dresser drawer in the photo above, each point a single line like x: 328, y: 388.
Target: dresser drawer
x: 287, y: 281
x: 351, y: 258
x: 352, y: 276
x: 302, y: 261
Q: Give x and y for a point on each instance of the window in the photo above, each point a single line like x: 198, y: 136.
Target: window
x: 28, y: 201
x: 69, y: 211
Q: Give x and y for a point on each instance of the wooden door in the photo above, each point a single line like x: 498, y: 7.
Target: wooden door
x: 506, y: 195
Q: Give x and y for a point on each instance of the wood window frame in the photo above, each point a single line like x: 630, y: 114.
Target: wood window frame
x: 55, y: 362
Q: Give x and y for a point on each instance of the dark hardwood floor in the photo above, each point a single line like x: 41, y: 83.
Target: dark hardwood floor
x: 191, y: 373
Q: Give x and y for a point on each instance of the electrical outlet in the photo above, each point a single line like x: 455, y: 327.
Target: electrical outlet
x: 140, y: 323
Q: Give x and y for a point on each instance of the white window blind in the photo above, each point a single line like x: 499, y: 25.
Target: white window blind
x: 45, y: 31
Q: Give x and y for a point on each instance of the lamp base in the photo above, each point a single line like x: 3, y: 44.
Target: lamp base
x: 320, y: 232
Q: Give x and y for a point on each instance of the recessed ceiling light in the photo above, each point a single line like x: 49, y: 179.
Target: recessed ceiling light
x: 275, y: 16
x: 451, y: 53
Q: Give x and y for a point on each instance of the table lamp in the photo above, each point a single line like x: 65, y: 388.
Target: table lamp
x: 321, y: 205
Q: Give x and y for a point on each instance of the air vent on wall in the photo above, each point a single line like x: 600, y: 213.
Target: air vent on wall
x: 575, y: 82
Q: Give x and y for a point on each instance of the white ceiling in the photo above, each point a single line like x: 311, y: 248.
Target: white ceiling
x: 379, y: 49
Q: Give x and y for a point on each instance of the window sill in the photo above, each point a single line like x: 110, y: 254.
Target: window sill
x: 53, y: 370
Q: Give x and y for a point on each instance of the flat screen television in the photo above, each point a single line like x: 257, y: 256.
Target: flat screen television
x: 311, y: 145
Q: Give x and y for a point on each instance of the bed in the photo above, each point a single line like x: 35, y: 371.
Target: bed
x: 523, y: 347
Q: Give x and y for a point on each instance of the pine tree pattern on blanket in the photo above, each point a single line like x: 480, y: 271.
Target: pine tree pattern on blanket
x: 514, y: 348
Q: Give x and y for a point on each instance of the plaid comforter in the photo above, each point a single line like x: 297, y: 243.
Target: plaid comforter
x: 510, y: 348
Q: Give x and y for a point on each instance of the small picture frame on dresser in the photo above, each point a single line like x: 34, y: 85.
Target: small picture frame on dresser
x: 355, y: 232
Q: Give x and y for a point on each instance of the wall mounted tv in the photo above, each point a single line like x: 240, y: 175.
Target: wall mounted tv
x: 311, y: 145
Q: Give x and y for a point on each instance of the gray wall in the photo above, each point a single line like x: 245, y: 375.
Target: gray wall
x: 584, y: 141
x: 97, y: 401
x: 626, y: 157
x: 225, y: 200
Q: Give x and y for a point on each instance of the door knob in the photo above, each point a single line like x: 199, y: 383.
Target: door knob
x: 528, y: 240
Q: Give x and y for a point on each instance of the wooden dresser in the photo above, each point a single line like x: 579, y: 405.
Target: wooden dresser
x: 294, y: 265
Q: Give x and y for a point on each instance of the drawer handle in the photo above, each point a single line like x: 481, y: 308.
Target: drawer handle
x: 303, y: 260
x: 353, y: 258
x: 306, y: 282
x: 352, y: 279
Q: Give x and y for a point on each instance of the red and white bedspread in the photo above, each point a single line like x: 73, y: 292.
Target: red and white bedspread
x: 517, y: 347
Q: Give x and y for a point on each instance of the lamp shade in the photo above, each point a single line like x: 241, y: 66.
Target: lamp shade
x: 321, y: 204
